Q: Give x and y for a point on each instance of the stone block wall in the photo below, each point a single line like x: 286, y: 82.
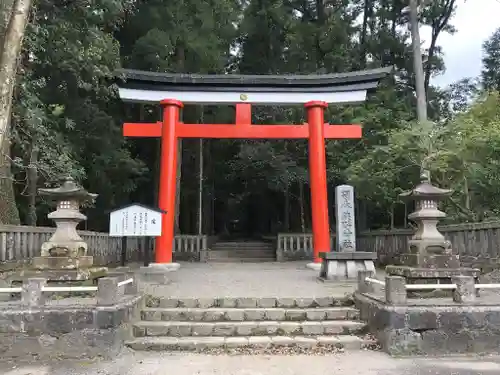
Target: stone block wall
x: 79, y: 331
x: 433, y: 329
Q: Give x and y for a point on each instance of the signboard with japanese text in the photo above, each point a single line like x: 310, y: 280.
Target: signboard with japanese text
x: 346, y: 227
x: 135, y: 220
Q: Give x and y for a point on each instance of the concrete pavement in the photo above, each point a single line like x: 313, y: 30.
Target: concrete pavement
x: 349, y: 363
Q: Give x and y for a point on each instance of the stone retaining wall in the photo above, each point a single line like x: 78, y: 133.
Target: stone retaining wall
x: 71, y: 331
x: 465, y: 323
x: 95, y: 326
x: 432, y: 330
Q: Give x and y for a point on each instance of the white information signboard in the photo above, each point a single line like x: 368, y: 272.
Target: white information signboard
x: 135, y: 220
x: 346, y: 229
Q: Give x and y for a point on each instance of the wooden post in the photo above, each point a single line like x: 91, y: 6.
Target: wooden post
x: 124, y: 252
x: 147, y: 251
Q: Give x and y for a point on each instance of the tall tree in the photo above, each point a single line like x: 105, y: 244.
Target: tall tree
x: 13, y: 19
x: 490, y: 75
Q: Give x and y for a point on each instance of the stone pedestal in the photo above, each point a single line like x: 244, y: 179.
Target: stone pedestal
x: 62, y: 263
x: 425, y: 275
x: 59, y: 275
x: 338, y: 266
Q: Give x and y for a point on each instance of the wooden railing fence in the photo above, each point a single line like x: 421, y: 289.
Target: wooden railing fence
x: 21, y: 243
x: 478, y: 244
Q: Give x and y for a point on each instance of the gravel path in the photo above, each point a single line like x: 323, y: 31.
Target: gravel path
x: 288, y: 279
x: 353, y: 363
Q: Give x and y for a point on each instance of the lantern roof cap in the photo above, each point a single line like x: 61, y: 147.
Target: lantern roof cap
x: 67, y: 190
x: 425, y: 190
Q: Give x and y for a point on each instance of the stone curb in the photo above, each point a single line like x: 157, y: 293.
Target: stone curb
x: 248, y: 314
x: 245, y: 302
x: 247, y: 328
x: 200, y: 343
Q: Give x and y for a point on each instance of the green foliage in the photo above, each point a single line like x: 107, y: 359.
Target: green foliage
x: 67, y: 107
x: 67, y: 117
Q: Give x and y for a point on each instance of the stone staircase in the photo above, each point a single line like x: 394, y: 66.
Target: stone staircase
x: 230, y: 323
x: 242, y: 251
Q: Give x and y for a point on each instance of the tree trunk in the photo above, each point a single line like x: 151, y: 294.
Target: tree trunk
x: 178, y: 186
x: 437, y: 26
x: 364, y: 33
x: 31, y: 217
x: 406, y: 216
x: 286, y: 210
x: 302, y: 211
x: 157, y: 145
x: 321, y: 17
x: 467, y: 194
x: 180, y: 57
x: 5, y: 13
x: 201, y: 177
x: 15, y: 16
x: 8, y: 209
x: 10, y: 51
x: 200, y: 186
x: 391, y: 214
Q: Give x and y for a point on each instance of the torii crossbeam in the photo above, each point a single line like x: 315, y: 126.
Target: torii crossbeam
x: 314, y: 92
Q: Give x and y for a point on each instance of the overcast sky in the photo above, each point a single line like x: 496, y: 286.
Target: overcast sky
x: 475, y: 21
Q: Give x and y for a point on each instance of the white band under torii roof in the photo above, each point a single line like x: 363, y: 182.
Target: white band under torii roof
x: 220, y: 97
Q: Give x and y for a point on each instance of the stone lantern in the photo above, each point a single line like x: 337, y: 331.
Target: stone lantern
x: 429, y: 256
x: 65, y: 249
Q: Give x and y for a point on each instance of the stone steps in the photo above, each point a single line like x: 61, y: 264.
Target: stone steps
x: 249, y: 314
x: 224, y: 255
x: 202, y: 343
x: 243, y: 244
x: 247, y: 328
x: 247, y: 323
x: 250, y: 302
x: 240, y: 260
x: 242, y: 251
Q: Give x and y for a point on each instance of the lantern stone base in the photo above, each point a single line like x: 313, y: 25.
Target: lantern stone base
x: 60, y: 275
x: 338, y: 266
x: 62, y: 263
x: 433, y: 261
x: 71, y: 248
x: 435, y: 274
x: 422, y: 275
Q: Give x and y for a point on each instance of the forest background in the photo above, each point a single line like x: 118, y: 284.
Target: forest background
x: 66, y: 116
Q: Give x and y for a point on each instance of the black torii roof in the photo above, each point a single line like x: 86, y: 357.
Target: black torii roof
x: 351, y: 81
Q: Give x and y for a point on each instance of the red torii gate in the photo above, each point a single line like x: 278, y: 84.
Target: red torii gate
x: 315, y: 130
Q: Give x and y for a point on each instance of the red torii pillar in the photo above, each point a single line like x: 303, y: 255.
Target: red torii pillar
x: 168, y: 180
x: 171, y: 129
x: 317, y: 178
